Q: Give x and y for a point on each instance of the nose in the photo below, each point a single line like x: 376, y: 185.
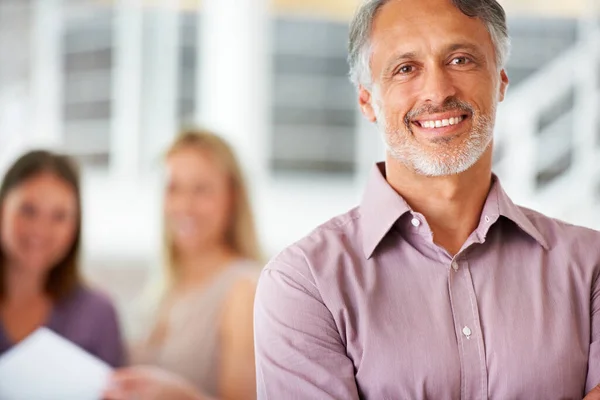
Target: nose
x: 181, y: 201
x: 437, y: 86
x: 40, y: 228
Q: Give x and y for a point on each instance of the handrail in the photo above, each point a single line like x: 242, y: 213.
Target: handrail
x: 575, y: 76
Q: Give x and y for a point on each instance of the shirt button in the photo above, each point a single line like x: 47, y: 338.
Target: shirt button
x: 487, y: 219
x: 416, y: 223
x: 466, y: 331
x: 455, y: 265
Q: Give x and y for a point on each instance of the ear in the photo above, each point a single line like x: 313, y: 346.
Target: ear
x: 364, y: 101
x: 504, y: 81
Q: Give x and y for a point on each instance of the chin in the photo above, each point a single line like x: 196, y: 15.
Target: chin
x: 185, y: 246
x: 190, y: 245
x: 37, y: 265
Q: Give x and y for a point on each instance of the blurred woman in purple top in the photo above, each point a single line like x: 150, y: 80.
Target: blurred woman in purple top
x: 40, y: 283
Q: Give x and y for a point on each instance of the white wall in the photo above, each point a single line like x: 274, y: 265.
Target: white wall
x: 122, y: 218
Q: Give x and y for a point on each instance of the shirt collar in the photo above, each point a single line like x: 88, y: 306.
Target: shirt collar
x: 499, y: 200
x: 382, y: 206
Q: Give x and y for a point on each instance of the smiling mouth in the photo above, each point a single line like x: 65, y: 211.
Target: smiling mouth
x: 440, y: 123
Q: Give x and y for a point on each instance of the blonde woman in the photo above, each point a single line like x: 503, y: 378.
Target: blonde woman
x: 201, y: 343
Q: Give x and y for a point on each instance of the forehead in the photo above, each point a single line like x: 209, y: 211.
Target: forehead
x: 425, y: 25
x: 192, y: 163
x: 46, y: 188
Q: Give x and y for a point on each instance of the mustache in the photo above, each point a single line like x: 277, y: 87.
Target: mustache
x: 450, y: 104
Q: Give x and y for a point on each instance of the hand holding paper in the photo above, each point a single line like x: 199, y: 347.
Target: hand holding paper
x: 150, y: 383
x: 46, y: 366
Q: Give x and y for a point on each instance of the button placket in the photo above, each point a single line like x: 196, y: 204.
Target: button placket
x: 466, y: 320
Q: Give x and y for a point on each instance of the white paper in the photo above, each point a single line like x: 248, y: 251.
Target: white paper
x: 46, y: 366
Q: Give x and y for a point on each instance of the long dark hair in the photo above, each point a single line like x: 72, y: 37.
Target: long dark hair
x: 64, y: 277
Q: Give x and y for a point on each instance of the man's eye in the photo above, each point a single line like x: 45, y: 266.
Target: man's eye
x: 460, y: 61
x: 406, y: 69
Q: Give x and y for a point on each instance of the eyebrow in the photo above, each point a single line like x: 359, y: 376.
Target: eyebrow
x: 463, y: 46
x: 391, y: 64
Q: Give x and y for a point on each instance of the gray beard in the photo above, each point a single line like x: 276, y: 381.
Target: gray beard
x: 448, y: 161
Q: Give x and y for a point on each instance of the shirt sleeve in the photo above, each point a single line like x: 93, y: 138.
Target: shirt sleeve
x: 593, y: 376
x: 299, y: 352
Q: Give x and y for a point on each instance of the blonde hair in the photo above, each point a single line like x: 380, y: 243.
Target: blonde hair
x: 241, y: 235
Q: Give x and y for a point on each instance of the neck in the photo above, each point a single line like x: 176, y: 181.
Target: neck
x: 22, y: 285
x: 202, y: 263
x: 451, y: 204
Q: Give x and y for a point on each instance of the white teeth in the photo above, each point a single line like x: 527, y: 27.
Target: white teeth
x: 184, y: 226
x: 441, y: 123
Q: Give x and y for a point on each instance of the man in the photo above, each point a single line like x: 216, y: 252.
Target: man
x: 437, y: 286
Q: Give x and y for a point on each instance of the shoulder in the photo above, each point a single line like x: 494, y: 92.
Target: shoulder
x: 304, y: 280
x: 241, y: 275
x: 243, y: 281
x: 241, y: 294
x: 245, y: 267
x: 240, y: 280
x: 238, y: 303
x: 89, y: 301
x: 328, y: 246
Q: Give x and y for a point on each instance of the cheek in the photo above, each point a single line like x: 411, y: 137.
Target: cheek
x: 215, y: 213
x: 482, y: 93
x: 64, y: 234
x: 220, y: 210
x: 205, y: 206
x: 396, y: 104
x: 168, y: 206
x: 12, y: 228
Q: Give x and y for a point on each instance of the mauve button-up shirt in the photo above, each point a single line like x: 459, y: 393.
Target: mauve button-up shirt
x: 367, y: 306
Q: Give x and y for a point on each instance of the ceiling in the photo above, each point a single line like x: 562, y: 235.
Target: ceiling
x: 343, y: 9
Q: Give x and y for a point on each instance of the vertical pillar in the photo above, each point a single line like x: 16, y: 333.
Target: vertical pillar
x: 161, y: 72
x: 127, y: 76
x: 234, y: 72
x: 47, y: 73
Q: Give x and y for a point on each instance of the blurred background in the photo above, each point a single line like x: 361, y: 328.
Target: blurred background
x: 111, y: 81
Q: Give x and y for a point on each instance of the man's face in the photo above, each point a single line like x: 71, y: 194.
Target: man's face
x: 436, y: 85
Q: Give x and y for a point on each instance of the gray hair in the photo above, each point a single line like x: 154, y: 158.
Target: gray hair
x: 359, y: 49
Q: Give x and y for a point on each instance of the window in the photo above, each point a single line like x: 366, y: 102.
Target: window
x: 87, y: 66
x: 187, y: 65
x: 313, y: 103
